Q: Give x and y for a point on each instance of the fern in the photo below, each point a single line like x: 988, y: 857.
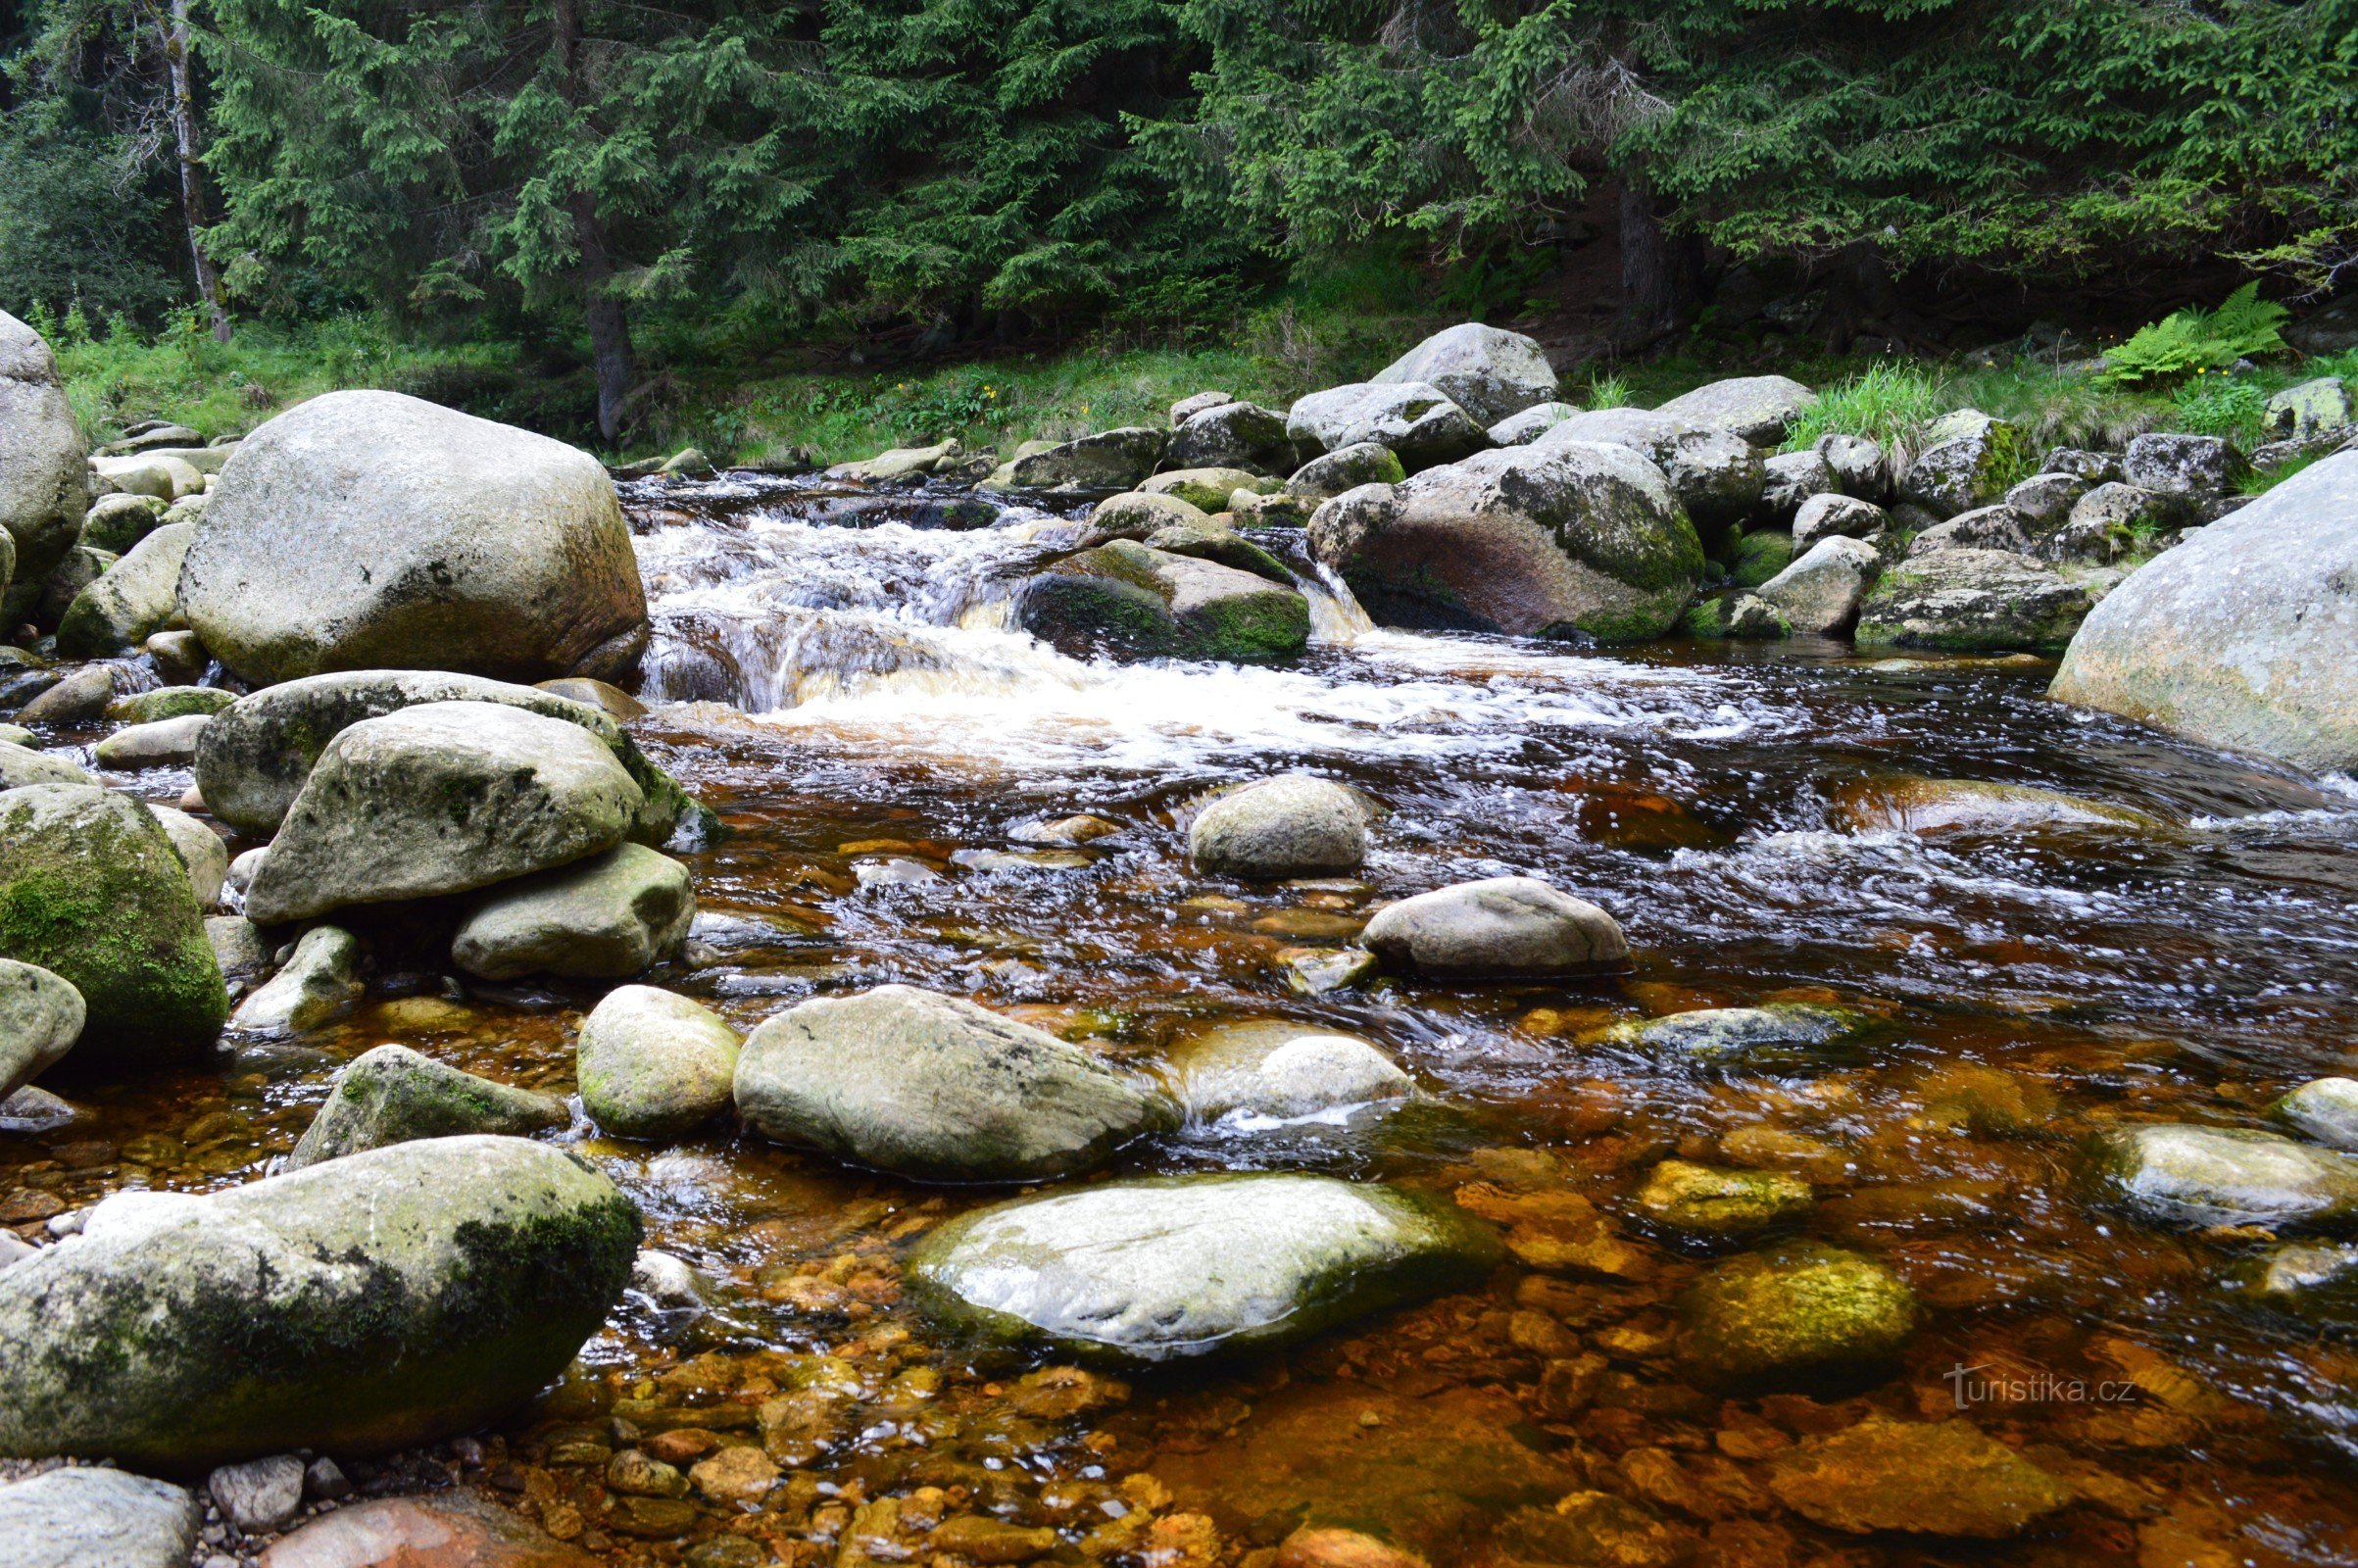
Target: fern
x: 2194, y: 340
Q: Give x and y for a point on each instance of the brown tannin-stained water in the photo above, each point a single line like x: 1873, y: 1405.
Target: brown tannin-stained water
x: 834, y: 673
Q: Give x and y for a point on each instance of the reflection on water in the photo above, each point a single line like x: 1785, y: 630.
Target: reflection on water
x: 836, y: 674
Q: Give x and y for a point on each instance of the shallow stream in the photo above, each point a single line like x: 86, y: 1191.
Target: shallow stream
x: 834, y: 673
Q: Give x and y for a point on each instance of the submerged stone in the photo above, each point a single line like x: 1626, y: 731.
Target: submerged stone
x: 1705, y: 1201
x: 1939, y: 1479
x: 1774, y: 1032
x: 390, y: 1299
x: 1170, y: 1267
x: 392, y: 1095
x: 2175, y: 1174
x: 1800, y: 1308
x: 1594, y: 1530
x: 2324, y: 1110
x: 2317, y: 1280
x: 1278, y: 1069
x: 1904, y: 805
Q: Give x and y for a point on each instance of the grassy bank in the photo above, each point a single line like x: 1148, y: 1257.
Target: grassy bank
x: 739, y: 409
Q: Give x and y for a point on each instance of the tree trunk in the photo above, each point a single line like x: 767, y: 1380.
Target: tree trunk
x: 1657, y: 273
x: 609, y: 323
x: 189, y: 137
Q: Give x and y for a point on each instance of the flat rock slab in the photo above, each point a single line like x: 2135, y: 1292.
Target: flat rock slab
x: 96, y: 1518
x: 1166, y: 1268
x: 2174, y: 1174
x: 1943, y: 1479
x: 450, y: 1530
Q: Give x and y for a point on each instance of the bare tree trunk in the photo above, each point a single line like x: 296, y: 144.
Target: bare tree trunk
x: 189, y: 138
x: 608, y: 322
x: 1650, y: 282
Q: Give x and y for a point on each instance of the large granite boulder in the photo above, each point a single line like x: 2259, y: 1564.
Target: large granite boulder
x: 1416, y: 421
x: 936, y: 1088
x: 2242, y: 636
x: 609, y: 918
x: 40, y: 1019
x: 443, y: 798
x: 1716, y: 474
x: 92, y: 890
x: 88, y: 1516
x: 372, y: 1303
x: 367, y: 530
x: 253, y: 759
x: 1167, y: 1268
x: 131, y: 601
x: 1233, y: 435
x: 1573, y: 540
x: 1100, y: 465
x: 1759, y: 407
x: 1488, y: 372
x: 1125, y: 597
x: 1345, y: 468
x: 1972, y: 601
x: 1970, y: 460
x: 44, y: 472
x: 393, y: 1095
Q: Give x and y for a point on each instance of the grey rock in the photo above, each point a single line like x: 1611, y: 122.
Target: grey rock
x: 114, y: 523
x: 2316, y: 407
x: 243, y: 865
x: 1207, y: 490
x: 1416, y: 421
x: 2314, y: 1280
x: 255, y: 758
x: 1794, y: 1309
x: 1569, y: 540
x: 89, y: 1517
x: 1281, y: 827
x: 443, y: 798
x: 901, y: 462
x: 1859, y: 466
x: 1486, y: 370
x: 1820, y: 593
x: 259, y: 1495
x: 2173, y: 1174
x: 159, y: 474
x: 44, y: 477
x: 200, y: 850
x: 2324, y: 1110
x: 936, y: 1088
x: 2183, y: 465
x: 238, y: 946
x: 371, y: 531
x: 1104, y: 464
x: 2241, y: 637
x: 79, y: 698
x: 169, y: 701
x: 1188, y: 408
x: 392, y: 1095
x: 161, y: 743
x: 1157, y: 1270
x: 1234, y: 435
x: 665, y: 1279
x: 21, y: 766
x: 1999, y: 527
x: 1345, y: 468
x: 1125, y: 597
x: 2096, y: 467
x: 1791, y: 477
x: 1521, y: 429
x: 1715, y: 473
x: 2045, y: 499
x: 1773, y: 1034
x: 396, y: 1297
x: 321, y: 980
x: 655, y: 1065
x: 132, y: 601
x: 1506, y: 926
x: 609, y: 918
x: 2109, y: 523
x: 1833, y: 516
x: 1970, y: 460
x: 1972, y: 601
x: 1136, y: 513
x: 1281, y: 1071
x: 1759, y: 407
x: 40, y: 1019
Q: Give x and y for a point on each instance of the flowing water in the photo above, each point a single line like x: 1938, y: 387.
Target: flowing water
x: 835, y: 672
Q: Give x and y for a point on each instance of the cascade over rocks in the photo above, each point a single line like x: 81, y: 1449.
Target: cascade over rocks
x: 44, y: 475
x: 1161, y: 1269
x: 369, y: 530
x: 443, y: 798
x: 383, y: 1300
x: 1486, y: 370
x: 936, y: 1088
x: 1547, y: 541
x: 1416, y: 421
x: 1146, y: 603
x: 2242, y: 636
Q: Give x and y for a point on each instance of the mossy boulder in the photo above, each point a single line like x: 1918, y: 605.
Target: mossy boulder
x: 1969, y: 459
x: 1232, y: 435
x: 392, y: 1095
x: 1759, y: 557
x: 1125, y: 599
x: 169, y: 702
x: 1717, y: 475
x: 116, y: 523
x: 1100, y: 465
x: 1972, y: 601
x: 1794, y: 1310
x: 936, y: 1088
x: 655, y: 1065
x: 21, y: 766
x: 92, y: 890
x: 1169, y: 1269
x: 609, y: 918
x: 1213, y: 541
x: 369, y: 1303
x: 2172, y: 1173
x: 1345, y: 468
x: 1708, y: 1201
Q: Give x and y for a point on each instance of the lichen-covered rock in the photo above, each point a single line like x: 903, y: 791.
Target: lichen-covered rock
x: 132, y: 601
x: 2317, y: 406
x: 655, y: 1065
x: 1345, y: 468
x: 1708, y: 1201
x: 254, y: 759
x: 1486, y: 370
x: 1934, y: 1479
x: 1759, y: 407
x: 367, y: 530
x: 1233, y: 435
x: 2199, y: 465
x: 1571, y: 540
x: 1100, y: 465
x: 2108, y: 522
x: 2173, y: 1174
x: 1793, y: 477
x: 1416, y: 421
x: 1972, y: 601
x: 443, y: 798
x: 320, y: 980
x: 1207, y: 489
x: 92, y: 890
x: 1773, y: 1033
x: 1521, y: 429
x: 1794, y: 1309
x: 1186, y: 408
x: 44, y: 476
x: 2323, y: 1108
x: 1759, y: 557
x: 1281, y: 1071
x: 1281, y: 827
x: 2241, y: 637
x: 2096, y: 467
x: 1169, y: 1269
x: 609, y: 918
x: 2045, y: 499
x: 1127, y: 599
x: 1505, y: 926
x: 1970, y: 460
x: 88, y: 1516
x: 378, y: 1301
x: 40, y: 1019
x: 1820, y: 593
x: 1997, y: 527
x: 1716, y: 474
x: 938, y: 1089
x: 392, y: 1095
x: 1859, y: 466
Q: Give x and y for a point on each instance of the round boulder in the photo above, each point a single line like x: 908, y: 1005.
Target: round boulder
x: 368, y: 530
x: 1505, y: 926
x: 1488, y: 372
x: 1273, y: 1068
x: 1281, y: 827
x: 1759, y: 407
x: 44, y: 470
x: 654, y: 1064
